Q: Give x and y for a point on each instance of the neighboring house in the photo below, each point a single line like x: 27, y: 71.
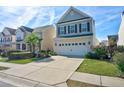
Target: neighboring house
x: 7, y: 38
x: 75, y: 33
x: 121, y: 32
x: 104, y: 43
x: 21, y: 33
x: 112, y: 40
x: 47, y: 34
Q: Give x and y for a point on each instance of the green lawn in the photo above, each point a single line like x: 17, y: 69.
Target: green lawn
x: 99, y: 67
x: 20, y: 61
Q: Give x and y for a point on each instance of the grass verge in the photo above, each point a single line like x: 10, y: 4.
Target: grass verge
x: 73, y: 83
x: 99, y: 67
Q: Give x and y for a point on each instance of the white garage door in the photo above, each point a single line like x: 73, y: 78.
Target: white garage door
x: 75, y: 49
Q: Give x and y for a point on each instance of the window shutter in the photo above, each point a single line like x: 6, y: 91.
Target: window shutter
x: 68, y: 29
x: 79, y: 27
x: 75, y: 28
x: 88, y: 27
x: 58, y: 30
x: 64, y: 29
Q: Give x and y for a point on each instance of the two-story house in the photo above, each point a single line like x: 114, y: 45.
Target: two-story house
x: 75, y: 33
x: 21, y: 33
x: 7, y: 38
x: 47, y: 34
x: 121, y: 31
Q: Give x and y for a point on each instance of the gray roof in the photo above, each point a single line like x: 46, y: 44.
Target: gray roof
x: 25, y: 29
x: 11, y: 30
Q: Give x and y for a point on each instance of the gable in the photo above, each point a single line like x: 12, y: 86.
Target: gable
x: 72, y: 14
x: 6, y: 32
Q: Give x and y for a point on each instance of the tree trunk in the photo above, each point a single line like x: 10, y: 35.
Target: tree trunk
x: 39, y: 45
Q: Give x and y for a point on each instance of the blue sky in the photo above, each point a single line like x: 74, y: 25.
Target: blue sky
x: 107, y: 19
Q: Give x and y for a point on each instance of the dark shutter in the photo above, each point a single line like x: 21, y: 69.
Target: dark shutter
x: 75, y: 28
x: 68, y: 29
x: 79, y: 27
x: 58, y: 30
x: 64, y: 29
x: 88, y: 26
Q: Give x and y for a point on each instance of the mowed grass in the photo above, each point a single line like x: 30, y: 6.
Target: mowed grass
x: 19, y: 61
x: 98, y: 67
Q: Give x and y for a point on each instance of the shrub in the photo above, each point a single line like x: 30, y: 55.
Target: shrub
x: 98, y: 53
x: 47, y: 53
x: 92, y: 55
x: 20, y: 55
x: 120, y: 49
x: 118, y: 58
x: 101, y: 52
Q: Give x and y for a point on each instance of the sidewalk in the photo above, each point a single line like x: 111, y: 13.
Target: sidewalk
x: 98, y: 80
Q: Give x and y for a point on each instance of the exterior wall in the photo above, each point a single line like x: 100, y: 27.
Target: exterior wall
x: 71, y: 16
x: 121, y: 32
x: 19, y: 35
x: 47, y: 37
x: 73, y: 23
x: 8, y: 41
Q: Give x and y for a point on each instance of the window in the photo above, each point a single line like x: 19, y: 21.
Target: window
x: 69, y: 44
x: 55, y: 44
x: 59, y: 44
x: 62, y: 44
x: 84, y: 27
x: 83, y: 43
x: 66, y: 44
x: 72, y: 28
x: 79, y: 43
x: 72, y: 44
x: 62, y: 31
x: 76, y: 43
x: 17, y: 46
x: 23, y: 46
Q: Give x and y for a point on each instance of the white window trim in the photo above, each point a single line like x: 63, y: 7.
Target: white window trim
x: 62, y: 30
x: 73, y: 29
x: 86, y: 27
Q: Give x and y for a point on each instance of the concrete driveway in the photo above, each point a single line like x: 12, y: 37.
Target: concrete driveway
x: 51, y: 71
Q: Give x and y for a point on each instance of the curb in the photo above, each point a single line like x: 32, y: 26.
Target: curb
x: 20, y: 82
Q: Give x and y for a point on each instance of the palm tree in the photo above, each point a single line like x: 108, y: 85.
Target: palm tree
x: 33, y: 39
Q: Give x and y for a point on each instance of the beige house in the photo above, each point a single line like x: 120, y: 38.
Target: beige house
x: 75, y: 33
x: 8, y: 38
x: 121, y: 32
x: 47, y: 33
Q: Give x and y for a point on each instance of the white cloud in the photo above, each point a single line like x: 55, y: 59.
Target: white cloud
x: 16, y: 16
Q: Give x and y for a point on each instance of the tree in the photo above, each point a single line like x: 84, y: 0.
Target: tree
x: 33, y: 39
x: 112, y: 45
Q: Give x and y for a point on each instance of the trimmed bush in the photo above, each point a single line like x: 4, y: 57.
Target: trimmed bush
x: 120, y: 49
x: 118, y: 58
x: 98, y: 53
x: 91, y: 55
x: 101, y: 52
x: 20, y: 55
x: 47, y: 53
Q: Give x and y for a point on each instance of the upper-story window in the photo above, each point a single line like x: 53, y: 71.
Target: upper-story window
x: 72, y: 28
x: 19, y: 38
x: 62, y: 31
x: 84, y: 27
